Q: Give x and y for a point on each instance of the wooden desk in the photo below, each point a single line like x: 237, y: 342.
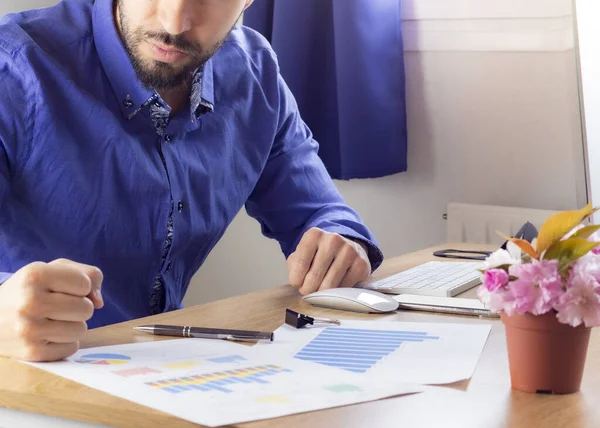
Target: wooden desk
x: 485, y: 401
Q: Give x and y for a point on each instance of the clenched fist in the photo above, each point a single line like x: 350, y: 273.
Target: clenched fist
x: 327, y: 260
x: 44, y: 309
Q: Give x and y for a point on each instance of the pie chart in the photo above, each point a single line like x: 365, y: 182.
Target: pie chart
x: 104, y: 359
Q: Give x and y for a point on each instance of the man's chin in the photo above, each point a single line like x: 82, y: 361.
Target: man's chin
x: 165, y: 78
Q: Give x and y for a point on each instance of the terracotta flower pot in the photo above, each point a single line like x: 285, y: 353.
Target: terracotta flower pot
x: 544, y: 355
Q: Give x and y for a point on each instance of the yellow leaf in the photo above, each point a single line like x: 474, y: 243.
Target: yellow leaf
x: 524, y: 245
x: 558, y: 225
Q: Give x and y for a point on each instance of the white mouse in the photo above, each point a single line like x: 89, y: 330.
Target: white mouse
x: 352, y: 299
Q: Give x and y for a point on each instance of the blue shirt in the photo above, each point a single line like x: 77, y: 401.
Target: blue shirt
x: 88, y: 171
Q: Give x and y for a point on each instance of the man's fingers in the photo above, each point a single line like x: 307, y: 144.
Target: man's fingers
x: 299, y: 263
x: 63, y: 307
x: 49, y: 352
x: 38, y: 331
x: 56, y: 278
x: 338, y: 269
x: 328, y: 248
x: 63, y: 331
x: 358, y: 272
x: 95, y: 277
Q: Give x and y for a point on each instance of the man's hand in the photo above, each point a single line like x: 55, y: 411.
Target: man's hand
x: 327, y: 260
x: 44, y: 309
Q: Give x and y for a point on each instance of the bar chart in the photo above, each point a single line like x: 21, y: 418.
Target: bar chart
x: 223, y: 381
x: 357, y: 350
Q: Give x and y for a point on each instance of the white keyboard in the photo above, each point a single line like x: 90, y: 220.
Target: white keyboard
x: 431, y: 279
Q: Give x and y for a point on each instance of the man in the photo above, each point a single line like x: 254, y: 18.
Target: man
x: 131, y: 134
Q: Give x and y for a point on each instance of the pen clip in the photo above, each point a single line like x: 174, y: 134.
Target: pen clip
x: 238, y: 338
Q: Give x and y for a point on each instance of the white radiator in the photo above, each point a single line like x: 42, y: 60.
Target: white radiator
x: 479, y: 224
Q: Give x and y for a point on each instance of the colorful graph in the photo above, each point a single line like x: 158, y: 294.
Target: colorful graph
x: 219, y: 381
x: 139, y: 371
x: 104, y: 359
x: 357, y: 350
x: 229, y: 359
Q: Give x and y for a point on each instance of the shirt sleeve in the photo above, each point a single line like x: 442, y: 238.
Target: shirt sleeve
x: 16, y: 117
x: 295, y: 192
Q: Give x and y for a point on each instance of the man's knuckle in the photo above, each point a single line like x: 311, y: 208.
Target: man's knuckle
x: 314, y: 233
x: 334, y: 242
x: 80, y: 329
x: 29, y: 303
x: 34, y: 274
x: 95, y: 275
x: 349, y: 254
x: 364, y: 268
x: 87, y: 309
x: 85, y: 283
x: 25, y: 329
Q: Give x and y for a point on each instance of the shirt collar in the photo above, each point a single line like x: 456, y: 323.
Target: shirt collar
x: 116, y: 63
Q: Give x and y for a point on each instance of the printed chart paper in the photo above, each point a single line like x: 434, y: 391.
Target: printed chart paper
x: 420, y: 353
x: 214, y: 383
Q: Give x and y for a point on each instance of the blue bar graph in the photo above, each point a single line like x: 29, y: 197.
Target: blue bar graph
x: 357, y: 350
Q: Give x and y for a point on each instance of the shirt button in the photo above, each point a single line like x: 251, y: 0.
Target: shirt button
x: 180, y: 206
x: 128, y: 103
x: 168, y: 138
x: 169, y: 267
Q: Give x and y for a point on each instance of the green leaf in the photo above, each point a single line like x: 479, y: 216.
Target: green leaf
x: 586, y: 232
x: 569, y: 250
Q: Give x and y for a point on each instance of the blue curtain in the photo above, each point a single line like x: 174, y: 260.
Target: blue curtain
x: 343, y: 61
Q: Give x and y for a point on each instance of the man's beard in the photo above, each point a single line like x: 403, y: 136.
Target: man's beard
x: 159, y: 75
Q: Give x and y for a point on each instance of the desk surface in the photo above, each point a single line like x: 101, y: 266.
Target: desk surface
x: 484, y: 401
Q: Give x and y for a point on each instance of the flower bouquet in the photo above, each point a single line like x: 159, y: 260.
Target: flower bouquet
x: 548, y: 295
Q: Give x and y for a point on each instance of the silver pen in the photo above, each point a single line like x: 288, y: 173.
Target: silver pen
x: 205, y: 333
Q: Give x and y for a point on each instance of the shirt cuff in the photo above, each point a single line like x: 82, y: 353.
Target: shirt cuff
x: 4, y: 276
x: 373, y: 252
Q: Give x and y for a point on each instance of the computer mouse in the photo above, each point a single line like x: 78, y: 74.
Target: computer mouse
x: 352, y: 299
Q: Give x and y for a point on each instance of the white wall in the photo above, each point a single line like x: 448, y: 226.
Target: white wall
x: 588, y: 12
x: 10, y: 6
x: 493, y: 119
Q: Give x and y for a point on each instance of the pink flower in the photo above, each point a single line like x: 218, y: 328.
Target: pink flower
x: 538, y: 286
x: 494, y: 279
x: 497, y: 301
x: 580, y: 303
x: 595, y: 237
x: 587, y: 265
